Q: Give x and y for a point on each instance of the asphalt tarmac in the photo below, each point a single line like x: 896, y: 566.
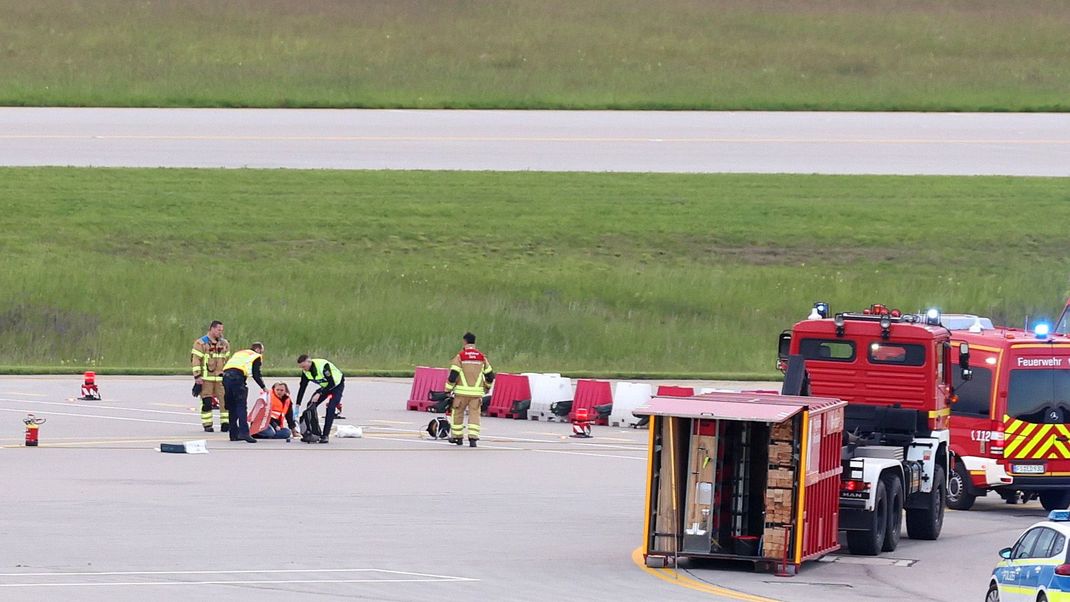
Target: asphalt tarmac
x: 1018, y: 144
x: 97, y: 513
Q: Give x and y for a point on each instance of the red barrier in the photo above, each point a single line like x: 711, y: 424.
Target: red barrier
x: 423, y: 382
x: 507, y: 389
x: 591, y: 393
x: 675, y: 391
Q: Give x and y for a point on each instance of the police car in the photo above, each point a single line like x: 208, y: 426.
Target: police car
x: 1036, y: 568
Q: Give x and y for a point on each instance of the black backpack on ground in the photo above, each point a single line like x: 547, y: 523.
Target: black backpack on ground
x: 439, y: 428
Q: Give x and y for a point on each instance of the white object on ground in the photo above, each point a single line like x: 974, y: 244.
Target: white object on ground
x: 199, y: 446
x: 349, y: 431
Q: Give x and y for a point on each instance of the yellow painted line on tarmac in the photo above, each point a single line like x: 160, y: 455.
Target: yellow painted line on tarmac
x: 676, y: 578
x: 106, y: 442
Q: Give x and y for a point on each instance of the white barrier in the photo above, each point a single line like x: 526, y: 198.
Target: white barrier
x: 626, y: 397
x: 545, y: 390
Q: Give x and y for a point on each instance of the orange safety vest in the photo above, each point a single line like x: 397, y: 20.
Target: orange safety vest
x: 279, y: 408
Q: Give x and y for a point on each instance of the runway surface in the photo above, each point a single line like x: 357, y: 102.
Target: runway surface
x: 624, y: 141
x: 97, y: 513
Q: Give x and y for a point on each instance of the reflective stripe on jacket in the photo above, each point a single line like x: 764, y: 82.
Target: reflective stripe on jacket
x: 208, y: 357
x: 473, y: 372
x: 279, y: 409
x: 242, y: 361
x: 320, y: 366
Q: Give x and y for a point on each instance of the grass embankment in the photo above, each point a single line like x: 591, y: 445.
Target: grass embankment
x: 596, y: 273
x: 676, y: 54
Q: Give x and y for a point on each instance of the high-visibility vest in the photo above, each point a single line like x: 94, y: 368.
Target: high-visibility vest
x: 321, y: 380
x: 242, y: 361
x: 469, y: 355
x: 279, y: 408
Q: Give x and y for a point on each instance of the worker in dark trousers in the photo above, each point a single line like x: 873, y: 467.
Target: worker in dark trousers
x: 331, y: 382
x: 469, y: 379
x: 236, y: 372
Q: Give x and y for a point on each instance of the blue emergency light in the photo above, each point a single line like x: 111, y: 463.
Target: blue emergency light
x: 932, y: 317
x: 1059, y: 516
x: 1042, y: 330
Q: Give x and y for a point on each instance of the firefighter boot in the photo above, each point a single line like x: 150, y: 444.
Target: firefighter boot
x: 472, y: 442
x: 224, y: 427
x: 208, y: 428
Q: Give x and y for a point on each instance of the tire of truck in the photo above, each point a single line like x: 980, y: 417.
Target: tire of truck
x: 869, y: 542
x: 894, y: 489
x: 926, y: 523
x: 1055, y: 500
x: 958, y: 489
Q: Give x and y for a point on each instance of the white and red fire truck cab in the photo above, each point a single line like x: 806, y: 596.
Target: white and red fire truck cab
x: 1010, y: 424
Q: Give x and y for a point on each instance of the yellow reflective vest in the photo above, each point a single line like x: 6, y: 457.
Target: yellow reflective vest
x: 319, y: 379
x: 243, y: 361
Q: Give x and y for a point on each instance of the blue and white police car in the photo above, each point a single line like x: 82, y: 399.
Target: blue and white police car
x: 1036, y: 568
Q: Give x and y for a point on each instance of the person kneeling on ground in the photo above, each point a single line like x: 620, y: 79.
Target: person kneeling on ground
x: 282, y: 424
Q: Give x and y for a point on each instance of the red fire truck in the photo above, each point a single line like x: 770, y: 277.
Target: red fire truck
x: 1010, y: 426
x: 895, y: 372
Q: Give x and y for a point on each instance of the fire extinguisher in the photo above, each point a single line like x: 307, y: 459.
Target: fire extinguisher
x: 581, y: 424
x: 33, y: 425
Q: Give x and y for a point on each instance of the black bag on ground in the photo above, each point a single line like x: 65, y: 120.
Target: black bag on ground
x: 438, y: 428
x: 309, y: 422
x: 561, y: 409
x: 442, y: 401
x: 520, y: 409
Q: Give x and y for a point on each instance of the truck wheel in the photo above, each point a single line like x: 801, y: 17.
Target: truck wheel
x: 894, y: 487
x: 1055, y: 500
x: 958, y: 489
x: 869, y: 542
x: 926, y: 523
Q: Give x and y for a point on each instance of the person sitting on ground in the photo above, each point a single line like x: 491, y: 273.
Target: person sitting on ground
x: 282, y: 424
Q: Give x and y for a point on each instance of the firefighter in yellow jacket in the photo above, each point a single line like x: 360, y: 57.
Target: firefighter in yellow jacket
x: 469, y: 379
x: 208, y: 357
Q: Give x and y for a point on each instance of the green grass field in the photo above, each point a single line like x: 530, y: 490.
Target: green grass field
x: 675, y: 54
x: 591, y: 273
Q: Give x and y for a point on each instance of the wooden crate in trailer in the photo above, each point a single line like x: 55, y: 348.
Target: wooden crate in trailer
x: 743, y: 476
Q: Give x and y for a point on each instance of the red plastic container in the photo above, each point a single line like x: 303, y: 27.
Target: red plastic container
x: 675, y: 391
x: 591, y: 393
x: 424, y: 381
x: 507, y: 389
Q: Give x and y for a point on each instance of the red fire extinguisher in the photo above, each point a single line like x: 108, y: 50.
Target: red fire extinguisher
x: 33, y: 425
x: 581, y: 424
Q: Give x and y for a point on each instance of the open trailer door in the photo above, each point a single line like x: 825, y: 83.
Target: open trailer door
x: 728, y: 475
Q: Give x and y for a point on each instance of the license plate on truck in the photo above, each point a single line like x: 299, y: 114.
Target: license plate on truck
x: 1027, y: 468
